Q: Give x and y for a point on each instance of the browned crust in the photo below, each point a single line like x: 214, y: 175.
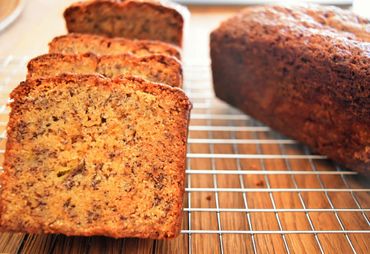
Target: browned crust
x: 19, y: 96
x: 24, y: 88
x: 176, y: 10
x: 146, y: 44
x: 299, y: 77
x: 53, y: 58
x: 46, y: 58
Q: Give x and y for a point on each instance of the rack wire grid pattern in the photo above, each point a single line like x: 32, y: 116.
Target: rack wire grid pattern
x: 249, y: 189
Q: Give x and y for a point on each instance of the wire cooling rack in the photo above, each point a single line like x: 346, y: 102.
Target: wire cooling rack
x: 248, y: 189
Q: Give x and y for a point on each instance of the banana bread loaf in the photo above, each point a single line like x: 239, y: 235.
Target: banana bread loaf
x: 155, y: 68
x: 87, y: 155
x: 305, y: 71
x: 100, y: 45
x: 134, y: 19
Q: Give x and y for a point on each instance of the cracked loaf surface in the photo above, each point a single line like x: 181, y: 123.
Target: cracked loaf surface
x: 101, y: 45
x: 303, y: 70
x: 135, y: 19
x: 155, y: 68
x: 87, y: 155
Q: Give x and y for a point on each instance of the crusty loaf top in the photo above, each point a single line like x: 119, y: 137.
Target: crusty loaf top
x: 329, y: 20
x: 341, y: 34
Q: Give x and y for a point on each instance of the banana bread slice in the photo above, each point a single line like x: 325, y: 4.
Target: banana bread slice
x: 148, y: 19
x: 87, y: 155
x: 100, y: 45
x: 155, y: 68
x: 305, y: 71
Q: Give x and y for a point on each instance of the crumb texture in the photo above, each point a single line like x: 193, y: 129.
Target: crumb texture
x: 101, y: 45
x: 130, y: 19
x: 302, y: 70
x: 90, y: 156
x: 155, y: 68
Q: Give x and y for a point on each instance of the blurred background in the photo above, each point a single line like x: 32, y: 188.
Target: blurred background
x: 26, y: 26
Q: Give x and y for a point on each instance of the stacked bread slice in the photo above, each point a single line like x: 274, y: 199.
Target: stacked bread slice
x: 97, y: 139
x: 155, y: 68
x: 153, y: 19
x: 101, y: 45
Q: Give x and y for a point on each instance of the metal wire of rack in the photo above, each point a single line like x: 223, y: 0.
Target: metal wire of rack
x: 246, y: 181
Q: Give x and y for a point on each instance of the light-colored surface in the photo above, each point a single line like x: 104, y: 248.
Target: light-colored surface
x: 9, y: 12
x: 38, y: 23
x: 248, y: 189
x: 250, y: 2
x: 362, y: 7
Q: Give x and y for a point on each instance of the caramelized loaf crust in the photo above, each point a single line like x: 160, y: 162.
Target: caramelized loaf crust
x: 155, y: 68
x: 152, y: 20
x: 100, y: 45
x: 302, y: 70
x: 87, y: 155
